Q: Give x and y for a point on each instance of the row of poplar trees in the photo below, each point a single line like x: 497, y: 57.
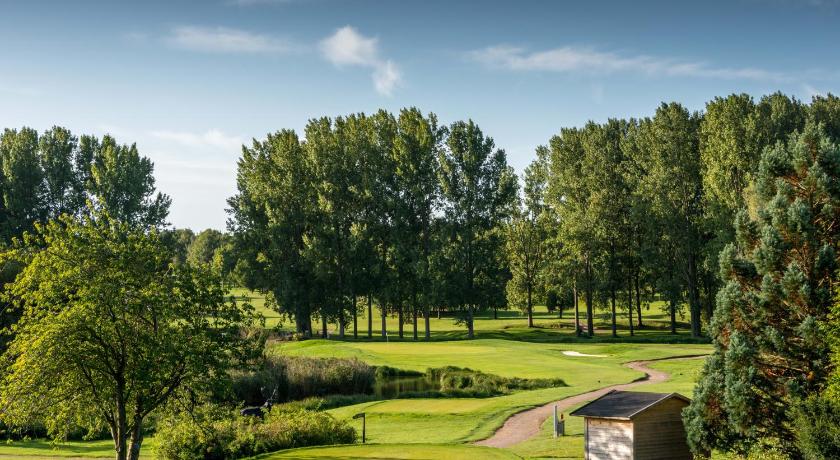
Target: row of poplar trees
x: 399, y: 212
x: 393, y: 210
x: 625, y: 211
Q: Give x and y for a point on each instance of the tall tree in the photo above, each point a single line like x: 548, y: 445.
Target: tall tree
x: 528, y: 238
x: 122, y: 182
x: 271, y: 216
x: 570, y: 195
x: 24, y: 192
x: 203, y: 247
x: 414, y: 156
x: 770, y: 346
x: 674, y: 186
x: 479, y: 189
x: 110, y: 333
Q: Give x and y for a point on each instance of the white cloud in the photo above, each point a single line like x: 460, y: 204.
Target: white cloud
x: 225, y: 40
x: 210, y: 138
x: 811, y: 91
x: 347, y: 47
x: 571, y: 59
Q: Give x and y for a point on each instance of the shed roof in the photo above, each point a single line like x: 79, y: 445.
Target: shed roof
x: 624, y: 404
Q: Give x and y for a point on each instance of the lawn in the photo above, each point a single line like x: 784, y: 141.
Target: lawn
x: 40, y: 449
x: 510, y: 324
x: 439, y: 428
x: 469, y: 419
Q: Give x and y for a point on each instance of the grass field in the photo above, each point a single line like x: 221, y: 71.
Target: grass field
x: 510, y: 324
x: 469, y: 419
x: 442, y: 428
x: 40, y: 449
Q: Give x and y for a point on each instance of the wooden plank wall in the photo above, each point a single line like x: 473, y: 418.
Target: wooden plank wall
x: 659, y: 432
x: 608, y: 439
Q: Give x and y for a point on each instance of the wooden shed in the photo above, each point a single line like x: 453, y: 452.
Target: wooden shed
x: 635, y: 425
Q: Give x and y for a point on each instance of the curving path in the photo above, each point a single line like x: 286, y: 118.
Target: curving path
x: 526, y: 424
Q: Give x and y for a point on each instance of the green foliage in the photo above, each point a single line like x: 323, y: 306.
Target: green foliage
x: 107, y: 321
x: 56, y: 173
x: 816, y: 423
x: 479, y: 189
x: 771, y: 346
x: 219, y: 434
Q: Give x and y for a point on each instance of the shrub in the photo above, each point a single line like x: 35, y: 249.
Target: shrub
x: 817, y: 427
x: 213, y: 433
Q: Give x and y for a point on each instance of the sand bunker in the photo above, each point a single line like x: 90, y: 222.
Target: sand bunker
x: 582, y: 355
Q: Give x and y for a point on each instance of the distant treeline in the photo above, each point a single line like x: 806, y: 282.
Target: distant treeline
x: 401, y: 212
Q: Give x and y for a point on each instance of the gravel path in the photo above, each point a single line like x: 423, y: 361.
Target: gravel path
x: 526, y: 424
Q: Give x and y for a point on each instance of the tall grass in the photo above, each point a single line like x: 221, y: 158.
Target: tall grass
x: 296, y: 378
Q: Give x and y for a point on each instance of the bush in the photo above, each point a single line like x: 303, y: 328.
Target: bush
x: 817, y: 427
x: 213, y: 433
x: 297, y: 378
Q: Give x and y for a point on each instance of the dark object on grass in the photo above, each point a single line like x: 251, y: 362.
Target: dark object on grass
x: 259, y: 411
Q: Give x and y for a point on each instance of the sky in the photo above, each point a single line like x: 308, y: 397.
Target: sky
x: 190, y: 82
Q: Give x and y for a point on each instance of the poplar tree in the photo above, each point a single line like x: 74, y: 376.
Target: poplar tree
x: 271, y: 217
x: 771, y: 348
x: 479, y: 189
x: 528, y: 239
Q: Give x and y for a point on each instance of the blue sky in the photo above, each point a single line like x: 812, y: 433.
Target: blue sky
x: 190, y: 81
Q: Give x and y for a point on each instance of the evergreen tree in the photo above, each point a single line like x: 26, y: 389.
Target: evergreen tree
x: 770, y: 345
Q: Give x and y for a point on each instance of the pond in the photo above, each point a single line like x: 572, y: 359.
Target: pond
x: 393, y: 387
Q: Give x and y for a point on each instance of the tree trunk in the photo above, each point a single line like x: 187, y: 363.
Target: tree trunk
x: 414, y: 316
x: 341, y: 324
x: 119, y: 428
x: 495, y: 312
x: 426, y: 314
x: 384, y: 310
x: 630, y: 300
x: 693, y: 296
x: 370, y: 315
x: 323, y: 325
x: 612, y: 286
x: 439, y: 311
x: 531, y: 309
x: 355, y: 319
x: 638, y: 302
x: 400, y: 320
x: 470, y: 331
x: 673, y: 316
x: 577, y: 308
x: 136, y: 441
x: 589, y: 325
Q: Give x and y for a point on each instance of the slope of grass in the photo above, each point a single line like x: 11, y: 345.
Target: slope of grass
x: 468, y: 419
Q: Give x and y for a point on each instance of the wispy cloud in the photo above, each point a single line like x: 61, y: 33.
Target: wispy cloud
x: 226, y: 40
x: 211, y: 138
x: 573, y: 59
x: 347, y: 47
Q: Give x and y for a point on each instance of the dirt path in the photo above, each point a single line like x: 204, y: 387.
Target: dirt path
x: 526, y: 424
